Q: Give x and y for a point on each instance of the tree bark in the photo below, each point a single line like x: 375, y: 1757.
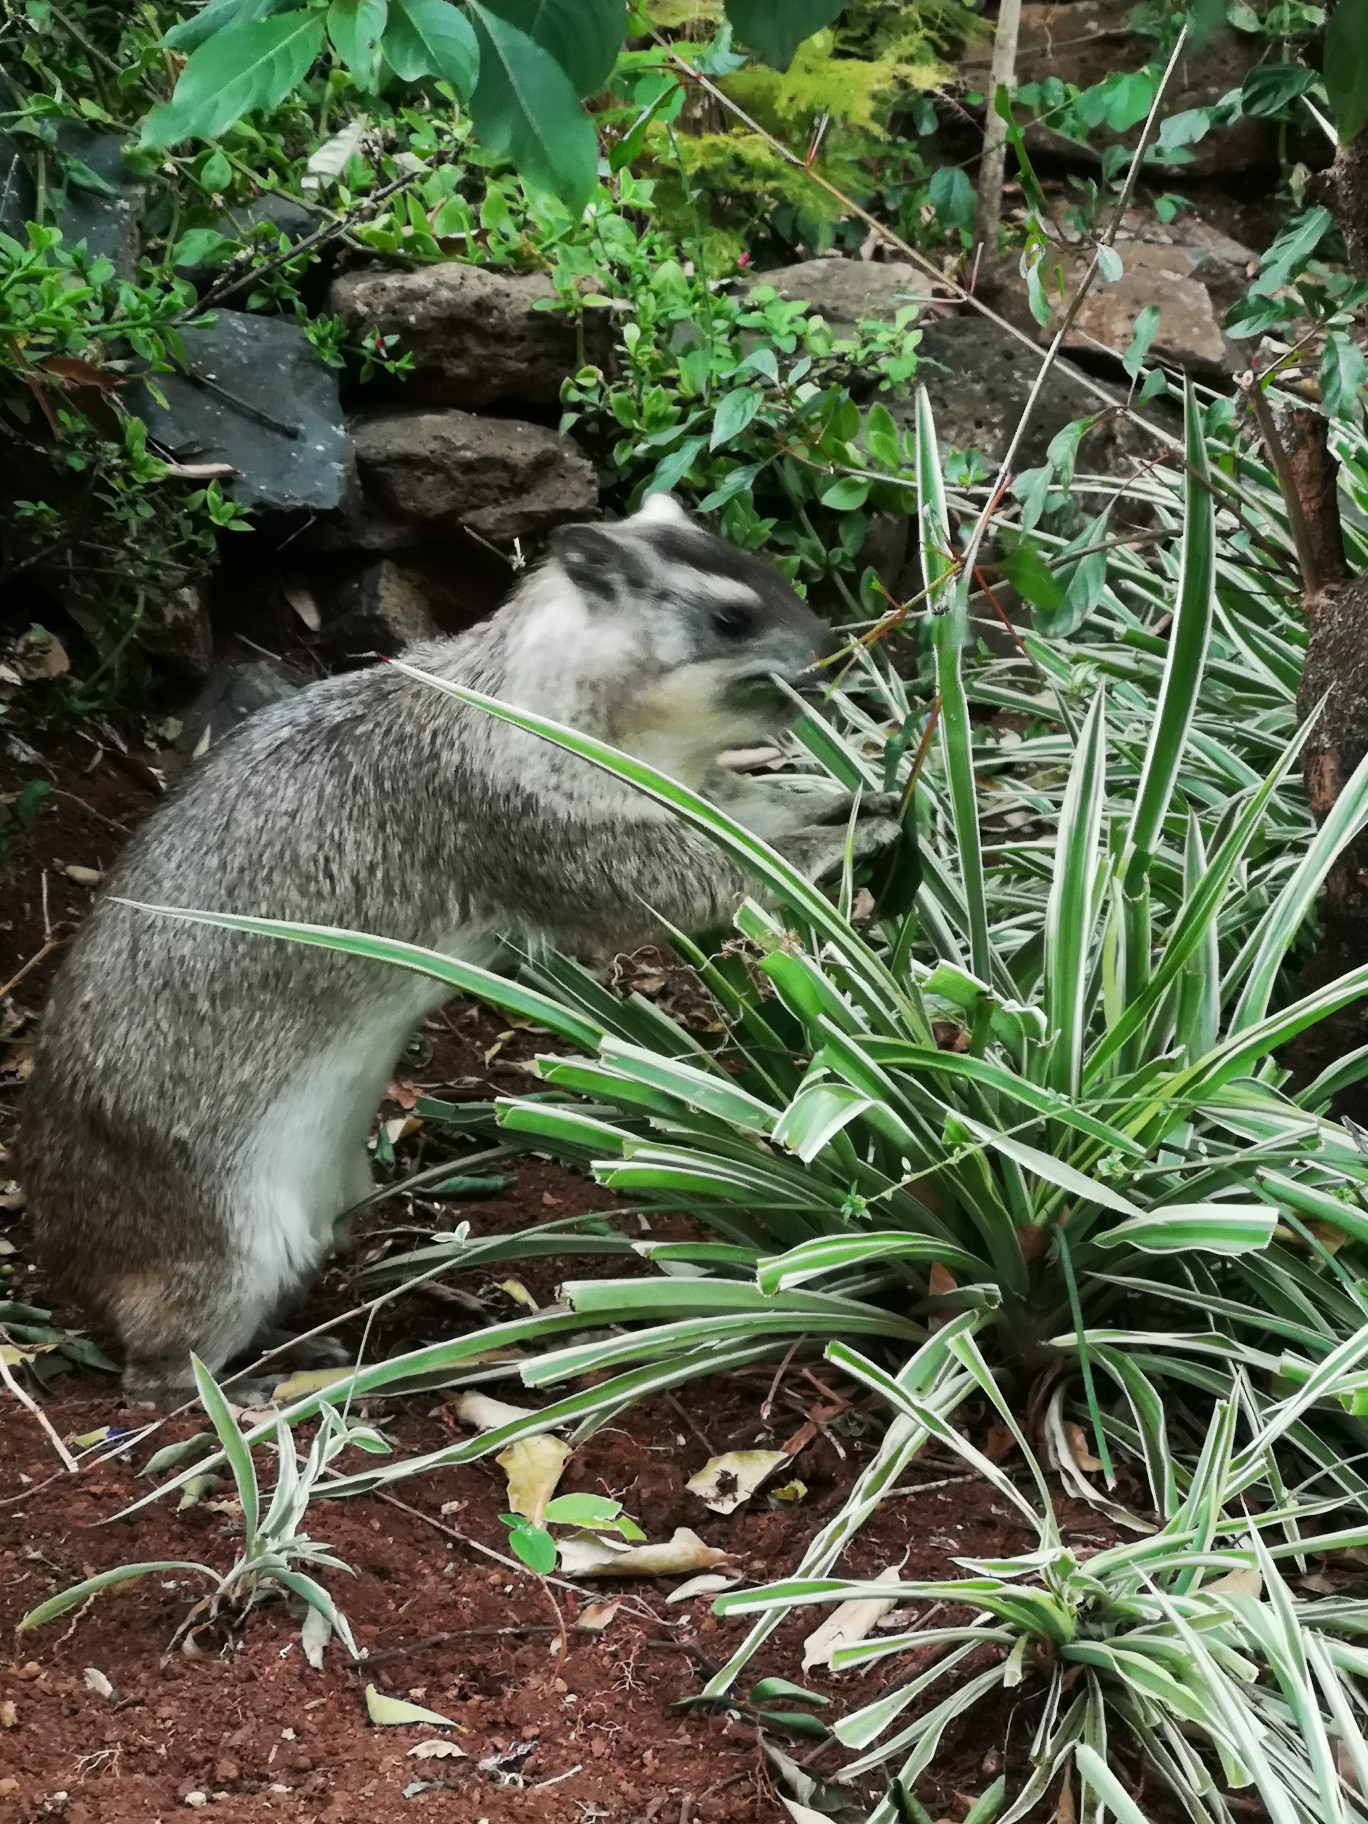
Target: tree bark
x: 1335, y: 674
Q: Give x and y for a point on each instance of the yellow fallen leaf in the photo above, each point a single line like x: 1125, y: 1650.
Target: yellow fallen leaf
x: 389, y: 1710
x: 1245, y: 1582
x: 589, y: 1555
x: 533, y: 1467
x: 519, y: 1293
x: 848, y: 1622
x: 790, y: 1493
x: 725, y: 1482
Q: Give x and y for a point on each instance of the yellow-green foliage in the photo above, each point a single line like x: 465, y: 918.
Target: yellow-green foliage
x: 856, y: 92
x: 851, y: 77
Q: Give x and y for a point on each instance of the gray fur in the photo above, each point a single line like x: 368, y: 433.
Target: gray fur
x: 201, y: 1101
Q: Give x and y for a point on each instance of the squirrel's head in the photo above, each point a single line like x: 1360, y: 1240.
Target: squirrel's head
x: 700, y: 632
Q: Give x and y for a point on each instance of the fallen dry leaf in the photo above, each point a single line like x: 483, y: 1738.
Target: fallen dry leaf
x: 587, y: 1555
x: 725, y: 1482
x: 533, y: 1467
x: 596, y: 1616
x: 84, y: 877
x: 848, y: 1622
x: 303, y: 601
x: 315, y: 1631
x: 518, y: 1292
x: 396, y: 1710
x: 711, y: 1583
x: 1078, y: 1448
x: 437, y: 1750
x: 1246, y: 1582
x: 95, y: 1680
x: 9, y: 1714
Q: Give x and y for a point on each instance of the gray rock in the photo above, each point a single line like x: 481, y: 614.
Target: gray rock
x: 978, y: 378
x: 433, y: 474
x: 259, y: 398
x: 283, y: 213
x: 1085, y: 41
x: 232, y: 693
x: 476, y: 338
x: 108, y: 215
x: 379, y: 609
x: 175, y: 628
x: 1189, y: 333
x: 846, y: 293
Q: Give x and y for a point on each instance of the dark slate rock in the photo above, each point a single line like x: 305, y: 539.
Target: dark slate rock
x: 109, y: 221
x: 257, y: 397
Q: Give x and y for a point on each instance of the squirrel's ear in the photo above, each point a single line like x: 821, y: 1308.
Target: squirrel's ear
x: 661, y: 510
x: 588, y: 557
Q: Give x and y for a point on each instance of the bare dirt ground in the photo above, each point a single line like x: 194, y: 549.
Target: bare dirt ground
x: 100, y: 1725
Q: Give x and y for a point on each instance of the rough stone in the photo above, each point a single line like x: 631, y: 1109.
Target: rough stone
x: 1085, y: 41
x: 849, y: 292
x: 175, y: 628
x: 257, y: 397
x: 476, y: 338
x: 438, y: 473
x: 379, y: 609
x: 1223, y: 264
x: 107, y: 216
x: 978, y: 377
x: 1189, y: 333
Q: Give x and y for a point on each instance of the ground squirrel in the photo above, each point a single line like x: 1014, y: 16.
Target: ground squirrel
x: 201, y: 1103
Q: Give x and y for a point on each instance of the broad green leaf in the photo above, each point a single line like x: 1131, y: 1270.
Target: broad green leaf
x: 1293, y: 247
x: 1343, y: 374
x: 846, y: 495
x: 432, y: 38
x: 525, y: 108
x: 355, y: 28
x: 952, y: 196
x: 1033, y: 579
x: 774, y: 29
x: 192, y: 32
x: 245, y: 68
x: 1142, y: 336
x: 583, y: 36
x: 881, y: 436
x: 1128, y: 98
x: 1208, y: 1228
x: 1345, y: 62
x: 734, y: 413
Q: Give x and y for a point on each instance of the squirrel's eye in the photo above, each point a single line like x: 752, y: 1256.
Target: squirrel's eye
x: 732, y: 621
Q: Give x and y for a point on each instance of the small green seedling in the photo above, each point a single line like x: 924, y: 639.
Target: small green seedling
x: 536, y: 1547
x: 273, y: 1546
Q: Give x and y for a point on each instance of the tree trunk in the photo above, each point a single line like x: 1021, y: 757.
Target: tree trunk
x: 1003, y: 75
x: 1336, y: 668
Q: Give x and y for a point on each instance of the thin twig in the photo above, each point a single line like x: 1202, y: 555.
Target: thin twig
x: 69, y: 1462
